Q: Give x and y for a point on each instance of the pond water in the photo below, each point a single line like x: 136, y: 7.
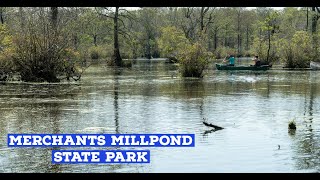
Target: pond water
x: 253, y: 107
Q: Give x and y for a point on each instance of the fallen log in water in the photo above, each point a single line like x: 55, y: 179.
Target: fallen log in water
x: 214, y: 126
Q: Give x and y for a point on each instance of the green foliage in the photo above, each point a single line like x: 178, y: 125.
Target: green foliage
x: 270, y: 23
x: 5, y: 37
x: 292, y: 20
x: 43, y: 53
x: 93, y: 25
x: 148, y: 19
x: 260, y: 48
x: 263, y: 43
x: 29, y: 46
x: 172, y: 41
x: 94, y: 54
x: 37, y: 63
x: 6, y: 50
x: 127, y: 64
x: 194, y: 60
x: 248, y: 53
x: 297, y: 51
x: 101, y: 51
x: 132, y: 46
x: 222, y: 52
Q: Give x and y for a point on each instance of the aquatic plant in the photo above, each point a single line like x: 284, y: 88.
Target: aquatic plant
x: 292, y: 125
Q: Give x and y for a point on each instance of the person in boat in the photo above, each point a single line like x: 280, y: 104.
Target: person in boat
x: 230, y: 59
x: 257, y: 61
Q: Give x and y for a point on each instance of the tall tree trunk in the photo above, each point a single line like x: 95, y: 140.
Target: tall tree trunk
x: 116, y: 97
x: 315, y: 18
x: 215, y: 38
x: 75, y: 41
x: 95, y: 40
x: 53, y: 47
x: 307, y: 19
x: 247, y: 43
x: 226, y: 37
x: 1, y: 15
x: 22, y: 18
x: 116, y: 53
x: 239, y: 44
x: 269, y: 46
x: 202, y: 13
x: 54, y: 25
x: 54, y: 18
x: 148, y: 49
x: 239, y: 34
x: 260, y: 43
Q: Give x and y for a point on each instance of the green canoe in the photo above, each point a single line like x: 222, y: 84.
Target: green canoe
x: 253, y: 68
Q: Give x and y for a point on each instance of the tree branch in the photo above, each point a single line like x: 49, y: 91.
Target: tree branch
x: 129, y: 14
x: 125, y: 35
x: 122, y: 22
x: 102, y: 14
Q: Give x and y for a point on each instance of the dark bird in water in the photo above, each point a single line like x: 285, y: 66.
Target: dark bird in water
x: 211, y: 125
x: 278, y: 146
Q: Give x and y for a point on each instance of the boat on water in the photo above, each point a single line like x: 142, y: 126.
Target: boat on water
x: 314, y: 65
x: 252, y: 68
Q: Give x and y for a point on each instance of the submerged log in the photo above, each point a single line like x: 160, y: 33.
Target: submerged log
x: 214, y: 126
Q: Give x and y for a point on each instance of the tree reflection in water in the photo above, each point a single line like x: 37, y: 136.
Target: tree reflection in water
x: 307, y: 140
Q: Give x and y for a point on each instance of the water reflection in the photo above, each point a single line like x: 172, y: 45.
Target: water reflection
x: 307, y: 140
x: 192, y: 88
x: 117, y: 73
x: 40, y: 113
x: 150, y: 97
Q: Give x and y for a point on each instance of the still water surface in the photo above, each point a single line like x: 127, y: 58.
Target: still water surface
x: 254, y: 109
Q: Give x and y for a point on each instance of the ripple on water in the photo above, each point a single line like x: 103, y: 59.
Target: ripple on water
x: 254, y: 109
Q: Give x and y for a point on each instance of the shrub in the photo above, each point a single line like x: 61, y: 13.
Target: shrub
x: 297, y: 51
x: 260, y: 47
x: 193, y: 60
x: 6, y: 52
x: 43, y: 55
x: 222, y: 52
x: 97, y: 52
x: 172, y: 41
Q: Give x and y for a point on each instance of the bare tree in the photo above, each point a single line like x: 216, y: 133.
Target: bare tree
x: 22, y: 18
x: 315, y: 18
x: 116, y: 15
x: 188, y: 23
x: 54, y: 17
x: 206, y: 17
x: 239, y: 38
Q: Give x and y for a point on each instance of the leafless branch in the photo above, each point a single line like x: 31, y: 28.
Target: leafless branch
x: 103, y: 14
x: 125, y: 34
